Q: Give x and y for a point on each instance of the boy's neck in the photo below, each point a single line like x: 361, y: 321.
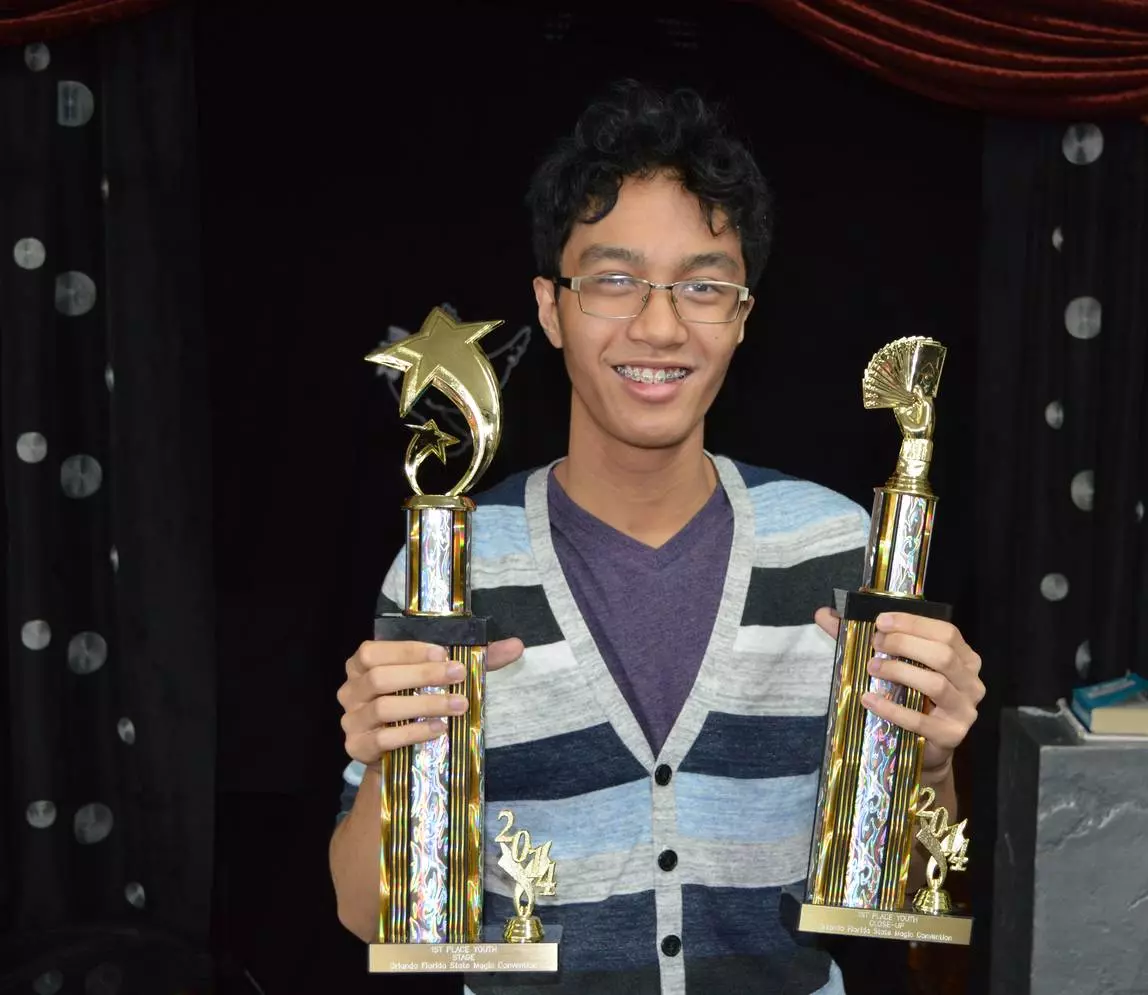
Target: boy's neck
x: 647, y: 494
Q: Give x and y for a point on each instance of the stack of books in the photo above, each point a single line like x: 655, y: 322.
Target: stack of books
x: 1117, y: 708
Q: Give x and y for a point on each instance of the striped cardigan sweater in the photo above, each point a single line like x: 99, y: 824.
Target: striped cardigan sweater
x: 731, y: 793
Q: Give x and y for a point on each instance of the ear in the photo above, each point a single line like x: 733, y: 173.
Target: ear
x: 545, y: 294
x: 745, y: 309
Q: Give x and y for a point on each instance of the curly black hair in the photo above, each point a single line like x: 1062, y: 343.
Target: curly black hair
x: 638, y: 131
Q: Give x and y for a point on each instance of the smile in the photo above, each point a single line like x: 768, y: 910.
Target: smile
x: 650, y: 374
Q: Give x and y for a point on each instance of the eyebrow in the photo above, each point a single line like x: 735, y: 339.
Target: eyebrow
x: 617, y: 253
x: 598, y: 253
x: 704, y: 260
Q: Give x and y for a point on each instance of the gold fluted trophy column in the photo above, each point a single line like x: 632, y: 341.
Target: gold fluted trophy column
x: 432, y: 812
x: 870, y: 805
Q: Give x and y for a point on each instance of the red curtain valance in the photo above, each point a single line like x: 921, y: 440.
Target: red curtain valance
x: 25, y: 21
x: 1029, y: 57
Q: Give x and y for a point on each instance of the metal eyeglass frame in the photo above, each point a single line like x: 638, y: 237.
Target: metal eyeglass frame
x: 574, y: 283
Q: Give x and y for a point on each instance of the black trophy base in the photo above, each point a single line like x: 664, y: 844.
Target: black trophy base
x: 493, y: 955
x: 865, y: 606
x: 442, y: 630
x: 910, y: 926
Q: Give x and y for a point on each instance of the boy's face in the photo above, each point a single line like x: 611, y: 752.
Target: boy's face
x: 656, y: 231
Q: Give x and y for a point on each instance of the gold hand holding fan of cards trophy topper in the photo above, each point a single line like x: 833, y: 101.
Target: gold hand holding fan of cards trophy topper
x: 432, y: 813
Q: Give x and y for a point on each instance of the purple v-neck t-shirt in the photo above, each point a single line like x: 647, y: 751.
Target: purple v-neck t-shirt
x: 650, y: 611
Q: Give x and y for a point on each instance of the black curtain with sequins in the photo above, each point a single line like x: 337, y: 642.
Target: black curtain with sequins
x: 1062, y: 404
x: 109, y: 719
x: 1060, y: 477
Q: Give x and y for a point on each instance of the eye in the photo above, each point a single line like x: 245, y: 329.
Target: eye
x: 707, y: 293
x: 699, y: 288
x: 614, y: 283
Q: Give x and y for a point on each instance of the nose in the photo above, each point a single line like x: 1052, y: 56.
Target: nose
x: 658, y: 326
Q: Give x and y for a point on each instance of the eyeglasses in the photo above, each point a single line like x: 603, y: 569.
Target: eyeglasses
x: 707, y: 302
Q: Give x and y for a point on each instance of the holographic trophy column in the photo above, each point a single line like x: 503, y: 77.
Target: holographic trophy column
x: 870, y: 805
x: 433, y: 805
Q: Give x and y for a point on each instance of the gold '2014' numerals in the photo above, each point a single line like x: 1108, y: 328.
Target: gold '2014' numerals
x: 535, y: 860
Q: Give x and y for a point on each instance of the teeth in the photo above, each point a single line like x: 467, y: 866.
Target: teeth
x: 646, y: 374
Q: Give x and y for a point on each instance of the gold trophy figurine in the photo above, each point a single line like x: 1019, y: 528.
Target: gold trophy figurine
x: 946, y: 845
x: 533, y: 872
x: 432, y: 811
x: 869, y: 798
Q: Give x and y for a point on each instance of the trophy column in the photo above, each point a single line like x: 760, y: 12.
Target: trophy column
x: 430, y: 869
x: 863, y: 829
x: 870, y: 806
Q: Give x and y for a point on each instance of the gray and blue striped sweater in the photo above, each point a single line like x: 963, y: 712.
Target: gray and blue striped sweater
x: 566, y: 753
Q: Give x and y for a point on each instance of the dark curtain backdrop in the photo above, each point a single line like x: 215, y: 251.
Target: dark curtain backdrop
x: 1062, y: 592
x: 110, y: 719
x: 1064, y: 312
x: 345, y: 193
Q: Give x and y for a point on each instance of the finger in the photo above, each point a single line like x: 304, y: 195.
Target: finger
x: 931, y: 684
x: 934, y: 629
x: 944, y: 732
x: 377, y: 681
x: 387, y: 680
x: 391, y: 708
x: 936, y: 688
x: 388, y: 653
x: 941, y: 657
x: 503, y: 652
x: 367, y: 747
x: 828, y: 620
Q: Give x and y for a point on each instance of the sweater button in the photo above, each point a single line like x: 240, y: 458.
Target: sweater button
x: 671, y: 945
x: 667, y: 860
x: 663, y: 774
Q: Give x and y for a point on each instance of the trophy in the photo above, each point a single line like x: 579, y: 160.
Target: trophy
x: 870, y: 804
x: 432, y: 816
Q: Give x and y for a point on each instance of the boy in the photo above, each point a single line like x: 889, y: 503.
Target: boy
x: 658, y: 706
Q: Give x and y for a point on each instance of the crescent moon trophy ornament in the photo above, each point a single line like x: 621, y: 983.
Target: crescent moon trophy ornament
x: 444, y: 354
x: 432, y: 804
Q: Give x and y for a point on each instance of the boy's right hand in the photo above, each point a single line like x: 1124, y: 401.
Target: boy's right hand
x: 372, y: 705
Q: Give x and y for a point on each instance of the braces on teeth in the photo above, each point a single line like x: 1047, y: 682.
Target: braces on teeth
x: 646, y: 375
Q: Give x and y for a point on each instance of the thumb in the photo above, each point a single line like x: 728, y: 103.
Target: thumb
x: 828, y: 620
x: 502, y: 652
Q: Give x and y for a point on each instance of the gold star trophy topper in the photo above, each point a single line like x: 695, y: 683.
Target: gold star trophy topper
x: 444, y: 354
x: 946, y: 845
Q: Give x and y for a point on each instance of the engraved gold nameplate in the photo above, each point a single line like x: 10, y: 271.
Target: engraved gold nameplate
x: 432, y: 807
x: 464, y: 958
x: 870, y: 804
x: 912, y: 927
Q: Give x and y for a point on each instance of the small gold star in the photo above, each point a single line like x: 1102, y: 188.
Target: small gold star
x: 429, y: 440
